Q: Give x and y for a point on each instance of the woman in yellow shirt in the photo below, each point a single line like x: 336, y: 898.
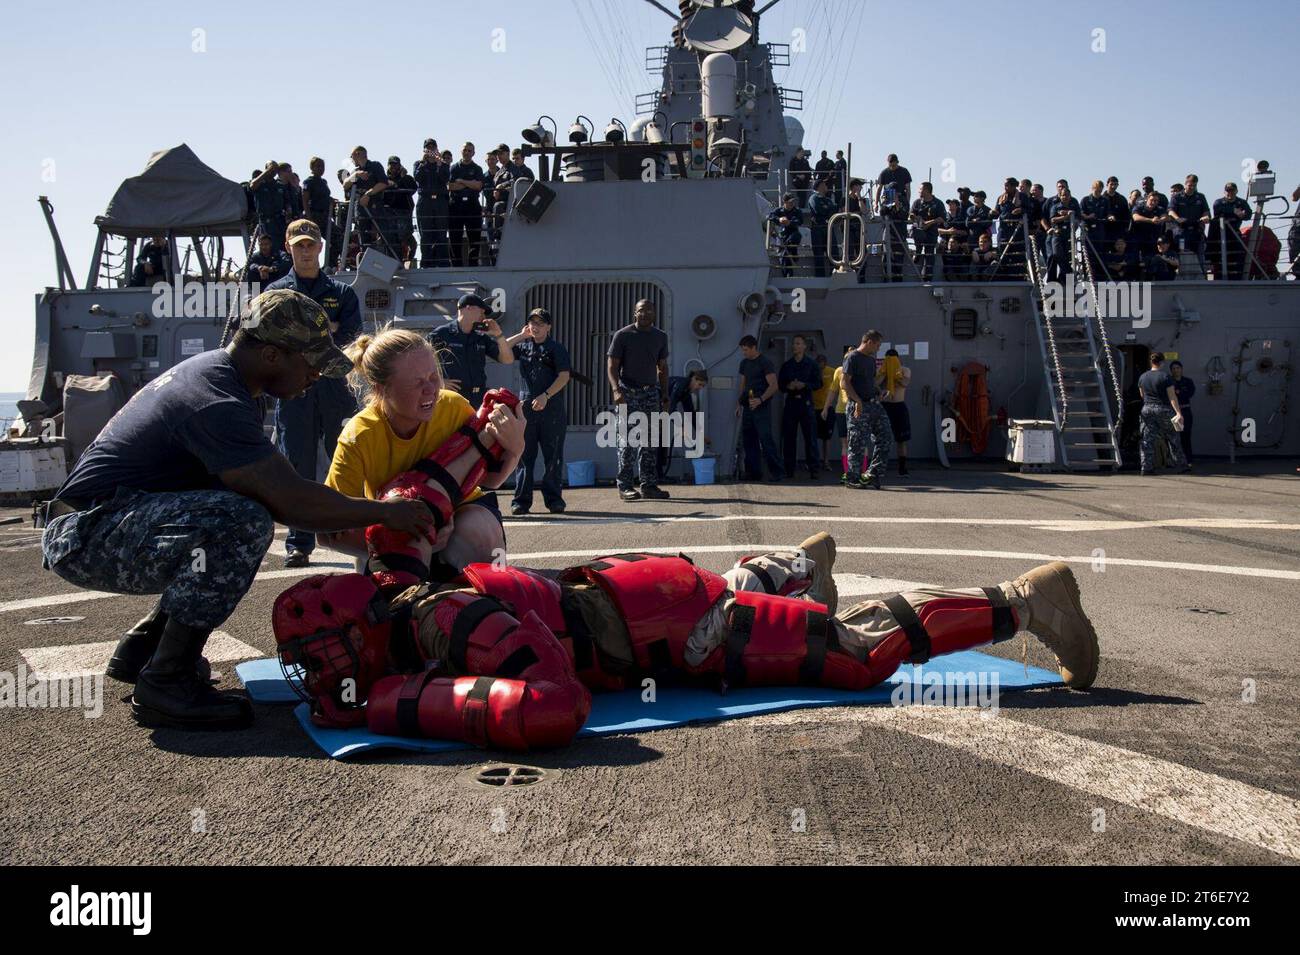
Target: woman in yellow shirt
x: 408, y: 415
x: 835, y: 419
x: 825, y: 427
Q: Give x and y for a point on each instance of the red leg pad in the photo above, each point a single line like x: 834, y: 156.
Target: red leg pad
x: 953, y: 623
x: 486, y: 711
x: 784, y: 641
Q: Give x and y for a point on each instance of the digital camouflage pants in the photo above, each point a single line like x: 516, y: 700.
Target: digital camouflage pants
x: 872, y: 426
x: 199, y: 549
x: 638, y: 465
x: 1158, y: 423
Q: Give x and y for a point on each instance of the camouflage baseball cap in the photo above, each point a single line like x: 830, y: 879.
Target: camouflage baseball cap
x: 300, y: 229
x: 291, y: 320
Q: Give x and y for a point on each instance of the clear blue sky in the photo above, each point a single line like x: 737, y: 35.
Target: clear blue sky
x: 997, y: 88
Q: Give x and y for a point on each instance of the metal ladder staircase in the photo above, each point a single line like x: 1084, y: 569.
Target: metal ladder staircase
x: 1087, y: 438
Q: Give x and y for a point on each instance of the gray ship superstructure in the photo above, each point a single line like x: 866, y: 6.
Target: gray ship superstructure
x: 673, y: 209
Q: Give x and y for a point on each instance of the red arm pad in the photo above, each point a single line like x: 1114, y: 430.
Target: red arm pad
x: 398, y: 560
x: 486, y: 711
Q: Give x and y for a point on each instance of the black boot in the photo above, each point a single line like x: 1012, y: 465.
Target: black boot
x: 902, y: 467
x: 168, y: 691
x: 138, y: 645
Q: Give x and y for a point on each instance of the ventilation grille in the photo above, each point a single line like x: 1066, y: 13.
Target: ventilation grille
x: 378, y: 300
x: 965, y: 323
x: 587, y: 314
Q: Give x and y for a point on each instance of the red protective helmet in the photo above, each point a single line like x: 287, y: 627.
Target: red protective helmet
x: 332, y: 632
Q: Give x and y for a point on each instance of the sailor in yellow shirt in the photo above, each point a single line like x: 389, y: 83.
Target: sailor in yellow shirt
x: 835, y: 419
x: 408, y: 415
x: 825, y: 427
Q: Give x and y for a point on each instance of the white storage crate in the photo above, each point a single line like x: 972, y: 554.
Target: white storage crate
x: 26, y: 465
x: 1031, y: 442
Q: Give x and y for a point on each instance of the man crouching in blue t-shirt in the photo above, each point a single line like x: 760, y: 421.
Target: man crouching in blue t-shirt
x: 179, y: 495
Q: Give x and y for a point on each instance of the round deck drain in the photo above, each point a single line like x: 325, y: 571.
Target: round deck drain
x: 504, y: 776
x: 42, y: 621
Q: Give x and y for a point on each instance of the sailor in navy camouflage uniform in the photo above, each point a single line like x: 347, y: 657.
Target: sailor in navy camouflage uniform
x: 637, y: 368
x: 271, y: 202
x: 465, y: 343
x: 1191, y: 211
x: 786, y: 220
x: 306, y: 423
x: 431, y: 209
x: 865, y: 416
x: 545, y: 368
x: 175, y: 496
x: 820, y: 207
x: 1160, y: 409
x: 927, y: 217
x: 1231, y: 211
x: 1059, y: 216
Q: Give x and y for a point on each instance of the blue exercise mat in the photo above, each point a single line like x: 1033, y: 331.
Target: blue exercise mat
x: 625, y: 712
x: 265, y: 681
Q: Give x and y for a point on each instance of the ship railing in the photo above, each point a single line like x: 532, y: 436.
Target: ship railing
x: 840, y: 251
x: 778, y: 54
x: 656, y: 57
x: 1084, y: 255
x: 647, y: 103
x: 1229, y: 251
x: 1059, y: 398
x: 113, y: 268
x: 1224, y: 252
x: 848, y: 247
x: 790, y: 98
x: 400, y: 234
x: 784, y: 182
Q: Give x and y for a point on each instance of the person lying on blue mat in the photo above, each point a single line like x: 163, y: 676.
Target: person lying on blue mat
x: 428, y: 643
x: 505, y: 657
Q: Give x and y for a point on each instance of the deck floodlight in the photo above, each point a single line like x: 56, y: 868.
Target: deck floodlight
x: 580, y: 132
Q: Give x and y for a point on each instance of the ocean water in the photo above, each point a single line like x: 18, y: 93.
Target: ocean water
x: 9, y: 403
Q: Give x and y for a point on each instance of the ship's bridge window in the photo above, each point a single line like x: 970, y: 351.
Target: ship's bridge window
x: 965, y: 323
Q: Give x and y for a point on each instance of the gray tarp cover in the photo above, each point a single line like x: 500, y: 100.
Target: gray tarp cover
x: 176, y: 191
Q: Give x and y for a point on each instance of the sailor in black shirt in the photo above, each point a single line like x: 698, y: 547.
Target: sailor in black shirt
x: 431, y: 210
x: 465, y: 182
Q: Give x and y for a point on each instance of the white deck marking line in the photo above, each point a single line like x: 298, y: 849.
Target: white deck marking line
x: 1225, y: 807
x: 89, y: 659
x: 344, y: 566
x: 1047, y: 524
x: 857, y: 585
x: 77, y: 596
x: 863, y: 585
x: 931, y: 551
x: 55, y: 600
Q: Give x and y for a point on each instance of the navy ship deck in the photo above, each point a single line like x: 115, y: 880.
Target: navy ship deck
x: 1194, y: 609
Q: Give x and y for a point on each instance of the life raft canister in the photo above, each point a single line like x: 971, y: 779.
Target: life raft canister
x: 971, y: 402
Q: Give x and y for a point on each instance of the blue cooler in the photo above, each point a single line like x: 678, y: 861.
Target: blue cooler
x: 704, y: 469
x: 582, y: 473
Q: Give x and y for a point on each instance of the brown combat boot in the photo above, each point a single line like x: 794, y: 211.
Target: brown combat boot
x: 1056, y: 618
x: 820, y: 549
